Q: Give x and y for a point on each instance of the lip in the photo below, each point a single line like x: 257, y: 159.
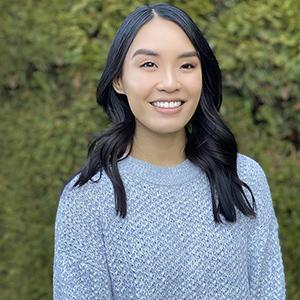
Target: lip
x: 168, y: 111
x: 168, y: 100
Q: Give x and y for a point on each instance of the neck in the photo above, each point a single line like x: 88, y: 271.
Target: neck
x: 184, y: 172
x: 159, y: 149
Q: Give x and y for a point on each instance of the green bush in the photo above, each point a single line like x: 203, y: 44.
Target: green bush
x: 257, y: 43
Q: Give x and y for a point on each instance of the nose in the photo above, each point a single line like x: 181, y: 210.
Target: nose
x: 168, y: 82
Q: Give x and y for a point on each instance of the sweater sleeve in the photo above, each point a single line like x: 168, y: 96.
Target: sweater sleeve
x: 80, y: 269
x: 266, y: 271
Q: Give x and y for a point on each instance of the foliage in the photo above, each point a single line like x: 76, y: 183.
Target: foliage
x: 257, y: 43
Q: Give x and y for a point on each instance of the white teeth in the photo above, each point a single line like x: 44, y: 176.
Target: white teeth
x: 167, y: 104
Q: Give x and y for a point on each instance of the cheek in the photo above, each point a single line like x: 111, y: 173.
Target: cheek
x: 194, y: 86
x: 138, y: 87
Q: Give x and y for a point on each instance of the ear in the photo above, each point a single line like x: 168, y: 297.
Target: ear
x: 118, y: 86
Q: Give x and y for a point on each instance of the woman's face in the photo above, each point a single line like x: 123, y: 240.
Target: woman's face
x: 161, y: 64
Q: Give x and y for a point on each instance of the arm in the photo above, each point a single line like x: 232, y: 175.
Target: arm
x: 80, y: 268
x: 266, y: 271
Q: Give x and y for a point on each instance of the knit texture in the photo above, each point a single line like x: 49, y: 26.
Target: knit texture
x: 168, y: 246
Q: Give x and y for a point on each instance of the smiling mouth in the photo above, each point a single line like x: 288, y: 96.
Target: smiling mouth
x: 162, y: 106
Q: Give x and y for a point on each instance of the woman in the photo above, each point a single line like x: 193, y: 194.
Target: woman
x: 186, y: 228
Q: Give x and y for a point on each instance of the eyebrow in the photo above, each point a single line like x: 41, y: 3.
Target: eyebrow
x: 153, y: 53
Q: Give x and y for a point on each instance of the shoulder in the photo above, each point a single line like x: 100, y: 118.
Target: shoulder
x: 79, y: 218
x: 91, y: 196
x: 252, y: 173
x: 249, y: 169
x: 98, y: 182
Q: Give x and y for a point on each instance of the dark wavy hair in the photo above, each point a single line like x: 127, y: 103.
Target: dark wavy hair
x: 209, y: 142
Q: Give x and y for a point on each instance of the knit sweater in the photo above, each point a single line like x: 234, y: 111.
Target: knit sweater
x: 168, y: 246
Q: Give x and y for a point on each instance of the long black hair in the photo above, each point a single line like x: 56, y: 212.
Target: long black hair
x: 209, y: 142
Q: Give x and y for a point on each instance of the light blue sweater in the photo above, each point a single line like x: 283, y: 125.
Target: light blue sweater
x: 168, y: 246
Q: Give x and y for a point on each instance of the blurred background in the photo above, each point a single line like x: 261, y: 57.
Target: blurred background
x: 51, y: 57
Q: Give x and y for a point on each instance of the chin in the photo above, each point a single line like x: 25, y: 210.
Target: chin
x: 168, y: 130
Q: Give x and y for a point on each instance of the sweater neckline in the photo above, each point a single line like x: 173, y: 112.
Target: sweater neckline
x: 163, y: 175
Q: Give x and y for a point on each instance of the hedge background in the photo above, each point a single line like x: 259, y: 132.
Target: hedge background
x: 51, y: 57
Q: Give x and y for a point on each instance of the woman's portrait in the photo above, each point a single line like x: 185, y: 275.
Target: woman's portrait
x: 150, y: 150
x: 165, y: 206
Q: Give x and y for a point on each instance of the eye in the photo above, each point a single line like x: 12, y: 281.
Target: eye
x: 188, y: 66
x: 148, y: 64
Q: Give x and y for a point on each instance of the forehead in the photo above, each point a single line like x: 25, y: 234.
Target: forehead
x: 161, y: 35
